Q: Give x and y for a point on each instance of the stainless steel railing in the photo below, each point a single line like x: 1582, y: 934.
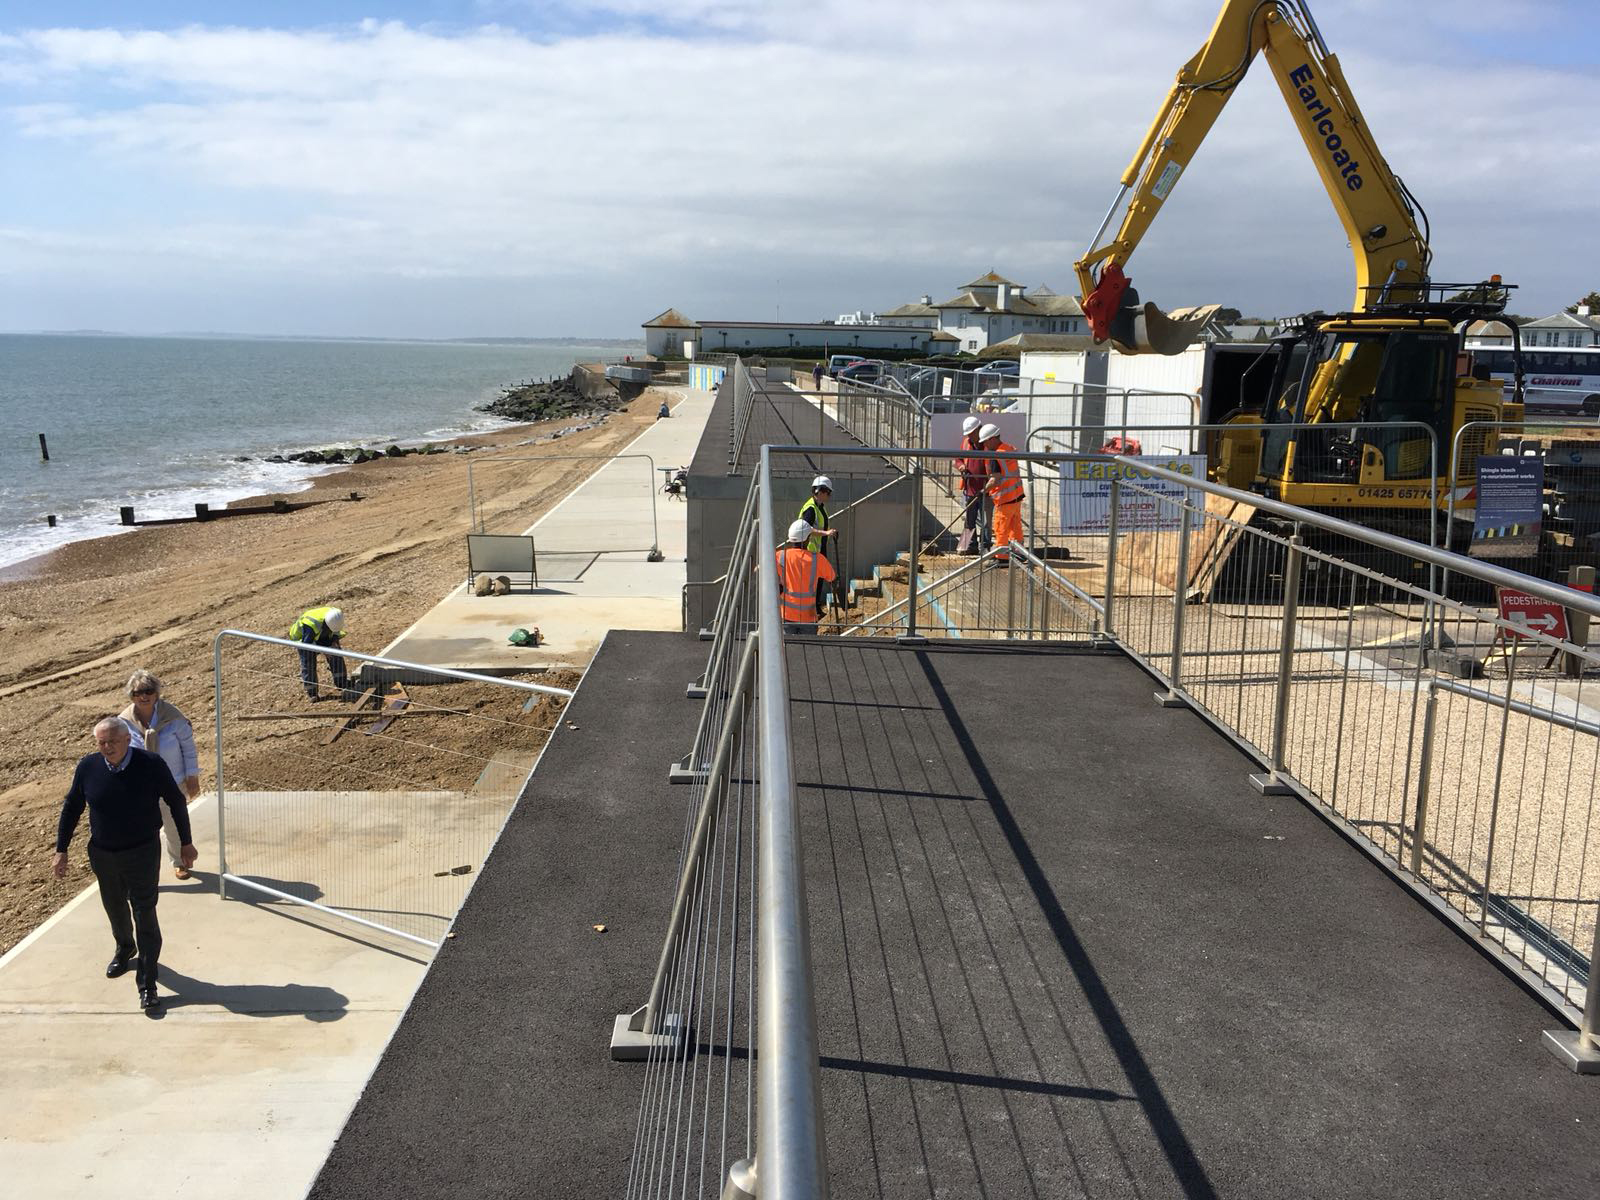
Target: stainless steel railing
x: 735, y: 964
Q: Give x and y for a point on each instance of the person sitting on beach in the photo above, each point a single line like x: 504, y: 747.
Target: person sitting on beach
x: 160, y: 728
x: 320, y: 627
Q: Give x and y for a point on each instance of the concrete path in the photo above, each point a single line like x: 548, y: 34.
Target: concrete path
x: 594, y: 573
x: 274, y: 1016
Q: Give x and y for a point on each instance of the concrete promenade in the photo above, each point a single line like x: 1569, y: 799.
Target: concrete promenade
x: 272, y: 1020
x: 594, y: 572
x: 274, y: 1014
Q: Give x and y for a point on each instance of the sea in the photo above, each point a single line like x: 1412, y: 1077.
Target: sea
x: 161, y: 423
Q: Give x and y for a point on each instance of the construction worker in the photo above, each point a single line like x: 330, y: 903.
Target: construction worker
x: 1005, y: 489
x: 814, y: 512
x: 320, y: 627
x: 974, y: 471
x: 800, y: 570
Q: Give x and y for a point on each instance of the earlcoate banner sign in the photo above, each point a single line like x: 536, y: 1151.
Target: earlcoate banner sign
x: 1145, y: 503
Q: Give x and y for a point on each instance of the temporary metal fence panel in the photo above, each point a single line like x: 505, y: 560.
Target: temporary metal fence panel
x: 620, y: 505
x: 1457, y: 746
x: 378, y: 805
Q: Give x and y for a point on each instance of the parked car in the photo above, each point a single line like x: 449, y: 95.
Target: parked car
x: 868, y: 370
x: 923, y: 383
x: 1000, y: 368
x: 838, y: 362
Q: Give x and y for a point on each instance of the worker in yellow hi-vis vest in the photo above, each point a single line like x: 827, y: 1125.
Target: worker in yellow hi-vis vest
x: 322, y: 627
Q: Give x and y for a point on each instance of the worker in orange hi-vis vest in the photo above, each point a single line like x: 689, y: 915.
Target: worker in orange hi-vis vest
x: 1005, y: 487
x: 799, y: 572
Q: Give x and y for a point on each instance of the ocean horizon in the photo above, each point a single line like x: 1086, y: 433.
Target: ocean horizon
x: 167, y: 421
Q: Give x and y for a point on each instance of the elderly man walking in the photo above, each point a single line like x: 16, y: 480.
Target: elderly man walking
x: 123, y: 789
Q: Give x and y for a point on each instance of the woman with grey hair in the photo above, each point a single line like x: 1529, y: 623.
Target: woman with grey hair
x: 166, y: 732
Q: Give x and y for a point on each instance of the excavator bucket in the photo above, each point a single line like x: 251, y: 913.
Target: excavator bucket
x: 1151, y: 331
x: 1115, y: 314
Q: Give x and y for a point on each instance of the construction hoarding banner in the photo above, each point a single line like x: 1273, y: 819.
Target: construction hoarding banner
x: 1510, y: 505
x: 1148, y: 504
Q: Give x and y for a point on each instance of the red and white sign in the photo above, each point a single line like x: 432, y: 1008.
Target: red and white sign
x: 1525, y: 615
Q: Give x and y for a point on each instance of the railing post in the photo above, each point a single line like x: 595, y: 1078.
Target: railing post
x: 1180, y: 604
x: 1014, y: 568
x: 1424, y: 777
x: 1580, y: 1048
x: 910, y: 637
x: 222, y: 841
x: 635, y: 1034
x: 1272, y: 783
x: 1107, y: 620
x: 1499, y: 778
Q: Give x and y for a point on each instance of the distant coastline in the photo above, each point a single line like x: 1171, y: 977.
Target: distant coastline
x: 632, y: 343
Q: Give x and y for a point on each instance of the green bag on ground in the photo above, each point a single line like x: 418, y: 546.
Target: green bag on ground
x: 520, y: 637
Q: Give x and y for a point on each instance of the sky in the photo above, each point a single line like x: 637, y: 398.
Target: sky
x: 451, y: 168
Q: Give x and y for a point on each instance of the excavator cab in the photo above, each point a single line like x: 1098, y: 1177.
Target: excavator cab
x: 1388, y: 378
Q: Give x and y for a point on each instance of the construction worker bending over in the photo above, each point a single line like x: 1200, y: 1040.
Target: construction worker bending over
x: 974, y: 471
x: 800, y: 570
x: 320, y: 627
x: 1005, y: 488
x: 814, y: 512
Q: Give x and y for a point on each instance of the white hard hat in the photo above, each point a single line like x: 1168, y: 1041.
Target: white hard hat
x: 969, y: 425
x: 822, y: 481
x: 988, y: 431
x: 335, y: 620
x: 799, y: 531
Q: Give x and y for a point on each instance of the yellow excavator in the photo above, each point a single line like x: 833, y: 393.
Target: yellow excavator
x: 1394, y: 363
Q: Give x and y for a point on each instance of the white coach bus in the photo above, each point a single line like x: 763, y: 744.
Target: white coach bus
x: 1555, y: 381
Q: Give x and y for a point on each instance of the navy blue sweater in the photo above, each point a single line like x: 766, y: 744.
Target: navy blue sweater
x: 124, y: 806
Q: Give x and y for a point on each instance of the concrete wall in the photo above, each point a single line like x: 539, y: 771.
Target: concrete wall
x: 869, y: 535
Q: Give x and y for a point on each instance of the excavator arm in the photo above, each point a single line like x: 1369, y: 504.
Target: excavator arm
x: 1378, y: 213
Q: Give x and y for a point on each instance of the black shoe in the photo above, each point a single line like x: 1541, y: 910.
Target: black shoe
x: 148, y: 1000
x: 119, y: 965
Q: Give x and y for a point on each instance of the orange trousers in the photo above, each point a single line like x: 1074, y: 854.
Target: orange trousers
x: 1007, y: 526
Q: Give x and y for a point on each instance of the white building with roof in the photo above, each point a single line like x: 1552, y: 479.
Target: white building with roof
x: 1564, y: 329
x: 992, y: 308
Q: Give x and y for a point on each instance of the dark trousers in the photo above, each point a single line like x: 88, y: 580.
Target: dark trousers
x: 128, y: 881
x: 972, y: 518
x: 308, y: 671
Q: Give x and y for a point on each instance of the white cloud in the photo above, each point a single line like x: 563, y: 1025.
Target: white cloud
x: 865, y: 152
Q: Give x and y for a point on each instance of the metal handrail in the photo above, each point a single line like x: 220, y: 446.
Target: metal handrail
x: 790, y: 1155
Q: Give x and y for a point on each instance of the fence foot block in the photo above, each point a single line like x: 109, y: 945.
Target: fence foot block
x: 1171, y: 700
x: 912, y: 640
x: 1270, y: 785
x: 634, y: 1045
x: 682, y: 772
x: 1570, y: 1047
x: 695, y: 691
x: 706, y: 635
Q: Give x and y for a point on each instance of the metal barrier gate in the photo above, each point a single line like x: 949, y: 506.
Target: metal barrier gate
x: 378, y: 808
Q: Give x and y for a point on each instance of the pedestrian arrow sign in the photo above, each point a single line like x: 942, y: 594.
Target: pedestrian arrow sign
x: 1524, y: 615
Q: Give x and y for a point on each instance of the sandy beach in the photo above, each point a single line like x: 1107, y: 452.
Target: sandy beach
x: 74, y: 624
